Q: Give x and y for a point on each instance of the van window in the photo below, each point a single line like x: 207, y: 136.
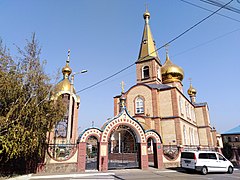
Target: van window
x: 220, y: 157
x: 203, y: 156
x: 187, y: 155
x: 212, y: 156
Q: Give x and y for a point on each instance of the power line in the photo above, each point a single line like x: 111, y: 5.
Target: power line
x: 219, y: 4
x: 204, y: 43
x: 169, y: 42
x: 210, y: 10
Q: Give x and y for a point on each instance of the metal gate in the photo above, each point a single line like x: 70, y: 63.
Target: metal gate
x: 92, y: 158
x: 123, y: 150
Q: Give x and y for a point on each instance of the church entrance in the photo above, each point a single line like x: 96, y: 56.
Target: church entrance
x: 92, y: 160
x: 152, y: 154
x: 123, y: 149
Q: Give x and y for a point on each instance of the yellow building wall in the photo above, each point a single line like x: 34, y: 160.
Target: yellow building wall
x: 202, y: 136
x: 168, y: 132
x: 199, y: 117
x: 165, y: 100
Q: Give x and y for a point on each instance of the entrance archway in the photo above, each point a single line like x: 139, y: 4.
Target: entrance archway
x: 151, y: 146
x: 92, y: 149
x: 88, y: 149
x: 154, y: 146
x: 123, y: 148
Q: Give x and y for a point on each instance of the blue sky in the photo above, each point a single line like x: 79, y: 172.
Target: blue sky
x: 104, y: 37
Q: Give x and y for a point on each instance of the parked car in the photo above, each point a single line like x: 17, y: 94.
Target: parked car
x: 205, y: 161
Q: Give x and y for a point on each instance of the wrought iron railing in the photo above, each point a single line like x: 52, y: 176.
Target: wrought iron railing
x: 61, y: 151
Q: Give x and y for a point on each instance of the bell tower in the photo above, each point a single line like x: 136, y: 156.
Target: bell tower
x: 148, y: 64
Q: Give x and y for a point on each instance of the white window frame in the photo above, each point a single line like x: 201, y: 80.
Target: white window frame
x: 139, y: 105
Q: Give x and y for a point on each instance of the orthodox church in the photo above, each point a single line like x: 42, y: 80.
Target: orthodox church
x: 153, y: 121
x: 158, y: 102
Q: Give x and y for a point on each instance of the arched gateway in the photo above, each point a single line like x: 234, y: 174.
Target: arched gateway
x: 122, y: 143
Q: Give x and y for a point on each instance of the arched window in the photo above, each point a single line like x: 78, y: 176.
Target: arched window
x: 184, y: 135
x: 180, y: 104
x: 158, y: 73
x: 145, y: 72
x: 139, y: 105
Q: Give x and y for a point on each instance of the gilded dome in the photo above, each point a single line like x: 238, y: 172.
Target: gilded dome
x: 66, y: 70
x: 146, y: 14
x: 63, y: 85
x: 192, y: 91
x: 171, y: 72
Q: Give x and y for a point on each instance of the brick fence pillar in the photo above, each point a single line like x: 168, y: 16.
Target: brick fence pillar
x: 81, y: 160
x: 103, y: 156
x: 159, y: 150
x: 144, y: 156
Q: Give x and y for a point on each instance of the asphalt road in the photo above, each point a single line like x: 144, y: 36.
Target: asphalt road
x: 132, y: 174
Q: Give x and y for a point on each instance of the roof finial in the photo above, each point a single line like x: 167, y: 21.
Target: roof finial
x: 122, y: 85
x: 190, y: 80
x: 146, y: 15
x: 166, y: 48
x: 146, y: 5
x: 68, y: 59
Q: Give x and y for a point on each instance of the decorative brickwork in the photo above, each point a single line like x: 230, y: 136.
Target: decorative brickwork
x: 90, y: 132
x: 124, y: 119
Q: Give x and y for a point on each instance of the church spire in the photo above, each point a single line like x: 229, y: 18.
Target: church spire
x: 147, y: 49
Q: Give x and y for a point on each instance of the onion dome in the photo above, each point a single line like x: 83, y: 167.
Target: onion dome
x: 64, y: 84
x: 66, y: 70
x: 171, y: 72
x: 146, y: 15
x: 192, y: 91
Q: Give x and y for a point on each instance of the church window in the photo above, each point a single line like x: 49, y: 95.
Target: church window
x: 139, y: 105
x: 191, y: 136
x: 187, y: 109
x: 184, y: 135
x: 145, y: 72
x: 158, y: 74
x: 180, y: 104
x: 193, y: 115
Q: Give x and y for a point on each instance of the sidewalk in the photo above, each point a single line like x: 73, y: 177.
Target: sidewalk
x: 109, y: 173
x: 99, y: 175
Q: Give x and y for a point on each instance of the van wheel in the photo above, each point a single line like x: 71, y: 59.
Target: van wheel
x: 204, y: 170
x: 230, y: 169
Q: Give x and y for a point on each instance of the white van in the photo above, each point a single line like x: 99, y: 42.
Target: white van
x: 205, y: 161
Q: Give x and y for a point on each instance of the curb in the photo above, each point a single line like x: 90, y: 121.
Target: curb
x: 69, y: 175
x: 23, y: 177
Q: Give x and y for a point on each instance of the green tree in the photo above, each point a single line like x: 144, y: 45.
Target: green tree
x: 26, y: 113
x: 227, y: 150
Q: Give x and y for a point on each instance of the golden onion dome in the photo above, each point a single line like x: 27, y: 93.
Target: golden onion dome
x: 171, y: 72
x: 63, y: 85
x: 66, y: 70
x: 192, y: 91
x: 146, y: 14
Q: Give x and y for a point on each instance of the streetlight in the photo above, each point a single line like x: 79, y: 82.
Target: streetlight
x: 70, y: 105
